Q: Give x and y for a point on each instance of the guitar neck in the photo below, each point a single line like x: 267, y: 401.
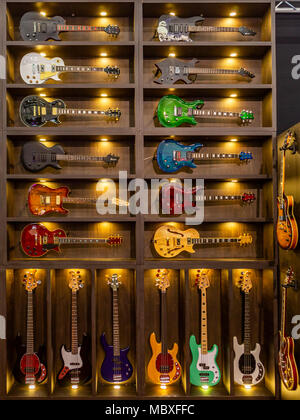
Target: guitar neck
x: 80, y: 158
x: 80, y: 200
x: 247, y: 325
x: 74, y: 330
x: 197, y: 70
x: 212, y: 29
x: 75, y: 112
x: 164, y: 330
x: 282, y: 176
x: 84, y: 241
x: 217, y: 198
x: 203, y: 311
x: 283, y: 310
x: 79, y: 28
x: 206, y: 241
x: 116, y: 327
x: 78, y: 69
x: 212, y: 156
x: 212, y: 114
x: 30, y: 333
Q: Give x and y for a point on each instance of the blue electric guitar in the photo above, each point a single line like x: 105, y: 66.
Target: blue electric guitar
x: 116, y: 367
x: 172, y: 156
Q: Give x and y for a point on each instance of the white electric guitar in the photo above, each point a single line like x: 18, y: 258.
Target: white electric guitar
x: 36, y: 69
x: 247, y: 368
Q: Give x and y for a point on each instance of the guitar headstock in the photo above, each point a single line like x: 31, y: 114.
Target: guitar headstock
x: 113, y: 281
x: 111, y: 159
x: 113, y: 113
x: 114, y: 240
x: 246, y: 117
x: 162, y: 281
x: 29, y: 280
x: 244, y: 282
x: 112, y: 71
x: 248, y: 198
x: 112, y: 30
x: 202, y: 279
x: 245, y: 156
x: 75, y: 282
x: 290, y: 142
x: 245, y: 73
x: 245, y: 239
x: 246, y: 31
x: 289, y: 280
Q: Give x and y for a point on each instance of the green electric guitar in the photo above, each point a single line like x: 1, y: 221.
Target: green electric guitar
x: 204, y: 370
x: 173, y: 112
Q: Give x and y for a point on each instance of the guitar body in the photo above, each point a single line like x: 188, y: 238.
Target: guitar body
x: 169, y: 241
x: 204, y: 369
x: 33, y: 364
x: 36, y: 111
x: 254, y: 372
x: 36, y: 156
x: 77, y: 362
x: 36, y: 240
x: 160, y: 370
x: 287, y: 364
x: 43, y: 200
x: 287, y: 229
x: 172, y: 156
x: 175, y: 199
x: 35, y: 69
x: 173, y: 28
x: 173, y: 111
x: 115, y: 369
x: 174, y: 70
x: 35, y: 27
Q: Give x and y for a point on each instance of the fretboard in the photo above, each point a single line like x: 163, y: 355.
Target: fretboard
x: 198, y: 70
x: 212, y: 114
x: 116, y: 328
x: 282, y: 176
x: 79, y: 28
x: 80, y: 200
x: 76, y: 69
x: 283, y: 310
x: 247, y: 325
x: 212, y: 29
x: 75, y: 112
x: 203, y: 322
x: 205, y: 241
x: 85, y: 241
x: 80, y: 158
x: 164, y: 330
x: 217, y: 197
x: 30, y: 333
x: 74, y: 326
x: 204, y: 156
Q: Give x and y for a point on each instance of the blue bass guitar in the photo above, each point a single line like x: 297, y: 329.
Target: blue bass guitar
x: 172, y: 156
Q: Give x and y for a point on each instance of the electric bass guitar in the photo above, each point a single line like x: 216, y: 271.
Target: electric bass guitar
x: 169, y: 241
x: 30, y: 367
x: 76, y: 366
x: 35, y: 156
x: 35, y: 27
x: 43, y: 200
x: 35, y: 111
x: 116, y: 368
x: 163, y: 368
x: 247, y: 367
x: 172, y: 70
x: 37, y: 240
x: 173, y: 28
x: 175, y: 198
x: 287, y: 228
x: 172, y: 156
x: 204, y: 370
x: 173, y: 112
x: 286, y: 359
x: 35, y: 69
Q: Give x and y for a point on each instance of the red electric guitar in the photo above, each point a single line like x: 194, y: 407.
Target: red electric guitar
x: 286, y: 360
x: 37, y: 240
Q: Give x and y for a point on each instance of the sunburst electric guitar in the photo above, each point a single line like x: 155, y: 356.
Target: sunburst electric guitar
x: 247, y: 368
x: 204, y: 370
x: 286, y: 359
x: 163, y: 368
x: 287, y: 229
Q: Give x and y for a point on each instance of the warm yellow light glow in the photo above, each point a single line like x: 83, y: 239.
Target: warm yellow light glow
x: 43, y: 139
x: 31, y: 387
x: 172, y: 55
x: 43, y: 13
x: 103, y: 13
x: 173, y: 180
x: 117, y: 387
x: 172, y: 14
x: 232, y: 14
x: 104, y: 54
x: 233, y: 140
x: 233, y: 54
x: 163, y: 387
x: 104, y: 95
x: 74, y: 386
x: 205, y: 387
x: 43, y: 94
x: 234, y: 180
x: 104, y: 139
x: 233, y: 95
x: 247, y: 386
x: 42, y: 180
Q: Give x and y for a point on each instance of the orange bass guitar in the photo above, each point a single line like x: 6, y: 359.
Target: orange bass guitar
x: 286, y: 229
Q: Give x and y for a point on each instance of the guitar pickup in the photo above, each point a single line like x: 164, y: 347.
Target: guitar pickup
x: 164, y: 379
x: 57, y: 201
x: 247, y: 379
x: 177, y: 111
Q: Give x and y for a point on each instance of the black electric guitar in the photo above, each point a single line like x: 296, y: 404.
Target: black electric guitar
x: 172, y: 70
x: 35, y: 27
x: 173, y: 28
x: 36, y: 156
x: 36, y: 111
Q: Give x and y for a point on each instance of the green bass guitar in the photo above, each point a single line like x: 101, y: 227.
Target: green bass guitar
x: 173, y: 112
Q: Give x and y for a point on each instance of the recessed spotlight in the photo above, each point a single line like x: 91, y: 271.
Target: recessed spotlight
x: 233, y: 95
x: 43, y: 54
x: 232, y: 14
x: 42, y: 94
x: 247, y: 386
x: 172, y: 55
x: 233, y: 55
x: 117, y: 386
x: 43, y: 13
x: 31, y: 386
x: 163, y: 387
x: 104, y: 139
x: 172, y: 14
x: 103, y: 13
x: 103, y: 54
x: 205, y: 387
x: 74, y: 386
x: 104, y: 95
x: 233, y: 140
x: 234, y: 180
x: 43, y: 139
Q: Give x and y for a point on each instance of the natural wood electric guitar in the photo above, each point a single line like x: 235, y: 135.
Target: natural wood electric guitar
x: 287, y: 228
x: 30, y: 367
x: 169, y: 241
x: 286, y: 359
x: 76, y: 367
x: 163, y: 368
